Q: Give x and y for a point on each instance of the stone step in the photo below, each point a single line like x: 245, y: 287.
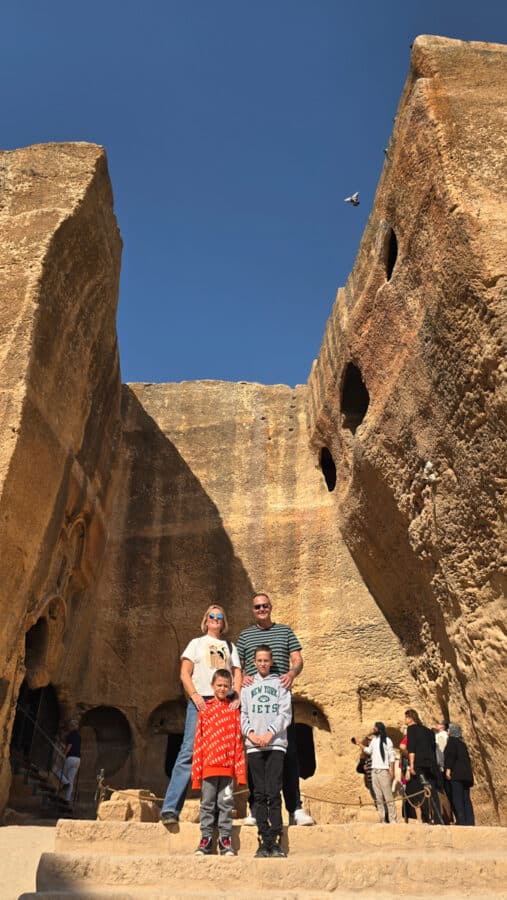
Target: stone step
x: 482, y: 874
x: 205, y: 893
x: 146, y: 838
x: 170, y: 894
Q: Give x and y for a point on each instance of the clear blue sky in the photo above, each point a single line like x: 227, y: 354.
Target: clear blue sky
x: 234, y: 129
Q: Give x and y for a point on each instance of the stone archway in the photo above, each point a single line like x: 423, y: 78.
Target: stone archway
x: 313, y: 735
x: 35, y: 727
x: 164, y: 733
x: 107, y: 743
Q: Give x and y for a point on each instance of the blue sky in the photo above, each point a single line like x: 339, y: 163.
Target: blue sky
x: 234, y: 129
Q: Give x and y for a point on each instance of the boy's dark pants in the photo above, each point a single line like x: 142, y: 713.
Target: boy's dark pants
x: 290, y: 785
x: 266, y: 769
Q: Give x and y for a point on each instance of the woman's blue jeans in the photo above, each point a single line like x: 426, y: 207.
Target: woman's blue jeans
x: 180, y: 776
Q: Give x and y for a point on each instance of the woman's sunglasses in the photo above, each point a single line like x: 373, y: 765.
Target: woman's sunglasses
x: 215, y: 616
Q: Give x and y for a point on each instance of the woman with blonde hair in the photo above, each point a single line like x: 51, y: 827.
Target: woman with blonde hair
x: 199, y: 660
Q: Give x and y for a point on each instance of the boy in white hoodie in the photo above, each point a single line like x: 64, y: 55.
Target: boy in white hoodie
x: 265, y: 714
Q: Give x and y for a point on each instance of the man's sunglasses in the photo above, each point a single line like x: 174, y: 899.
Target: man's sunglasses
x: 215, y: 616
x: 261, y: 606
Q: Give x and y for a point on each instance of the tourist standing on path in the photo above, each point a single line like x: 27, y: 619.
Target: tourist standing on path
x: 381, y: 751
x: 422, y: 760
x: 199, y: 660
x: 218, y: 759
x: 72, y: 758
x: 287, y: 664
x: 458, y: 772
x: 266, y: 712
x: 441, y: 730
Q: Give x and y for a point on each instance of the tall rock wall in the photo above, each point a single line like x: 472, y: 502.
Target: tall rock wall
x: 219, y: 495
x: 408, y: 392
x: 59, y: 404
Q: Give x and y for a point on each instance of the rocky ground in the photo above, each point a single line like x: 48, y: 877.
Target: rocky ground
x: 20, y: 850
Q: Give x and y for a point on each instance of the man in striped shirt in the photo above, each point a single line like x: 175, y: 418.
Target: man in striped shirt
x: 287, y: 664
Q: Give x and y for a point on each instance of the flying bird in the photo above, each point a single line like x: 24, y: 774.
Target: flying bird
x: 354, y: 199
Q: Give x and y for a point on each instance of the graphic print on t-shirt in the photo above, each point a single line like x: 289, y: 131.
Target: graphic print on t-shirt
x: 217, y: 656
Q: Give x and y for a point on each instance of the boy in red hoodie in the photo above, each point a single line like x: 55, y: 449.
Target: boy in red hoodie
x: 218, y: 759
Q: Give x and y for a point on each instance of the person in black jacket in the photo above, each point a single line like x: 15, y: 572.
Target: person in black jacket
x: 423, y: 767
x: 458, y: 770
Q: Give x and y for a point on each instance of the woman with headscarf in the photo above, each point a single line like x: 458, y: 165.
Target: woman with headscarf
x: 381, y: 751
x: 458, y: 770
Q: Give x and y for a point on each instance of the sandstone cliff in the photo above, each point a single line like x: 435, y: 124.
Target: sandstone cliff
x: 219, y: 495
x: 408, y: 393
x: 59, y: 403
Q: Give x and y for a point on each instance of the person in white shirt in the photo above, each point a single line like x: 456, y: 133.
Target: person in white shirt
x: 201, y: 658
x: 381, y: 751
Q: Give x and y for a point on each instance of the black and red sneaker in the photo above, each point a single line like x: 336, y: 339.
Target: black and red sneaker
x: 204, y: 848
x: 225, y: 846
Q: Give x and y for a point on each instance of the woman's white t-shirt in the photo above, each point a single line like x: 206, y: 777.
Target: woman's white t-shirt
x: 209, y: 654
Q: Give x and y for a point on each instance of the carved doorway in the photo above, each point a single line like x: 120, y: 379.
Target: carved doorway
x: 35, y: 727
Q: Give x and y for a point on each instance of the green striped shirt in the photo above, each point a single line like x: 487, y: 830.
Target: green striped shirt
x: 280, y: 638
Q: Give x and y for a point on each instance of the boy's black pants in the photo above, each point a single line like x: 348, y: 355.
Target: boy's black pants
x: 290, y: 783
x: 266, y: 770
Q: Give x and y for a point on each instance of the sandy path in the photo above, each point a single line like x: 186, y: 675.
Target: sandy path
x: 20, y: 850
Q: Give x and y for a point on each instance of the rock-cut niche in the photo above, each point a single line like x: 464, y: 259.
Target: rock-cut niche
x: 328, y: 468
x: 355, y: 398
x: 390, y: 252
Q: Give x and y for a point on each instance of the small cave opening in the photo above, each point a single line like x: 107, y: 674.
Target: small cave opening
x: 390, y: 252
x: 355, y: 398
x: 328, y: 468
x: 112, y: 737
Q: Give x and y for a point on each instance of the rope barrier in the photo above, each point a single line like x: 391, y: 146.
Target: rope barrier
x: 424, y: 794
x: 102, y: 788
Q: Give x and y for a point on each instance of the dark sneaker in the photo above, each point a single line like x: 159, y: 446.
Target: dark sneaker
x: 168, y: 818
x: 225, y: 846
x: 204, y: 848
x: 263, y: 851
x: 277, y: 850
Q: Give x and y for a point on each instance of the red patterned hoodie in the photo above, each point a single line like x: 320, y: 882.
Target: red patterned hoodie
x: 218, y: 747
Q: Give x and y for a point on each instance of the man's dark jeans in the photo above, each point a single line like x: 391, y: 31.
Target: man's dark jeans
x: 266, y: 770
x: 290, y: 788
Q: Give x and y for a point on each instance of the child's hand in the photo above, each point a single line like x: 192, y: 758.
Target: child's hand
x: 264, y: 739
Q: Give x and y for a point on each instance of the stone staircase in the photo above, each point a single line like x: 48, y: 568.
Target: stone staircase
x: 36, y: 791
x: 128, y: 860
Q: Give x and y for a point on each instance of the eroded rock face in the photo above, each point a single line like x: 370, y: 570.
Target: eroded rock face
x: 59, y: 403
x: 219, y: 495
x: 408, y: 393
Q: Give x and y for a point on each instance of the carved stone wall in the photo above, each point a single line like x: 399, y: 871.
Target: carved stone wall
x: 59, y: 404
x: 219, y: 495
x: 408, y: 392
